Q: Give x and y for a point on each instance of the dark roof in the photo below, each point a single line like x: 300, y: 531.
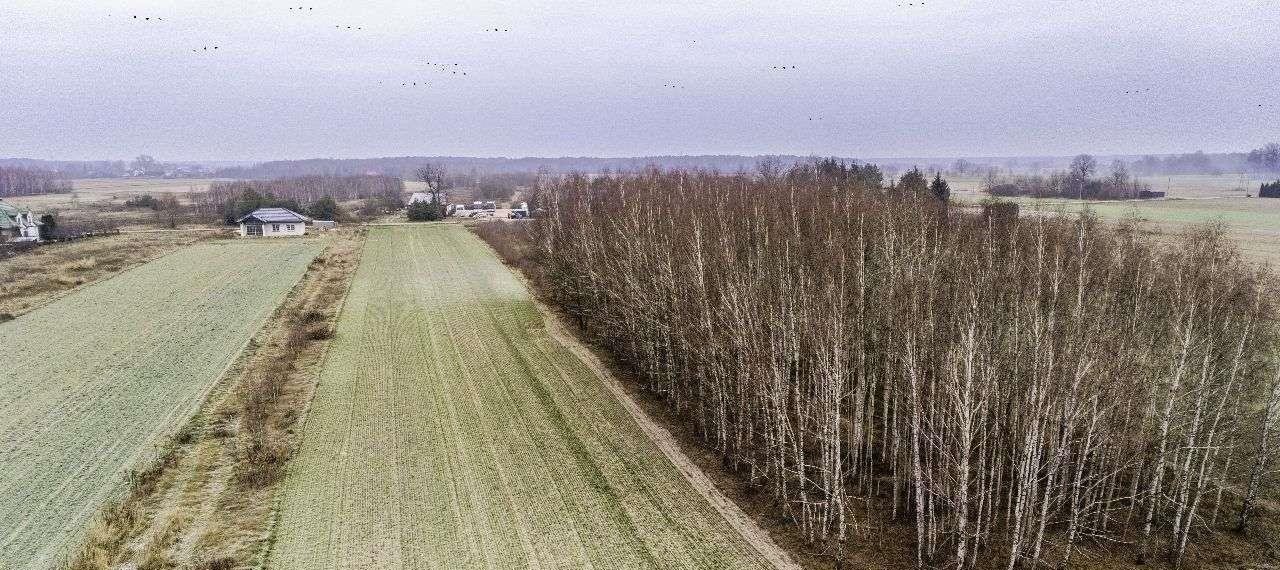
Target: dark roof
x: 275, y: 216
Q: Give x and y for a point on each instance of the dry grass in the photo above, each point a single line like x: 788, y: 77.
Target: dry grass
x: 37, y: 277
x: 102, y: 200
x: 207, y: 502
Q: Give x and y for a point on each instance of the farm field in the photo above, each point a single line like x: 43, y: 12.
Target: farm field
x: 1254, y: 223
x: 98, y: 378
x: 38, y: 276
x: 450, y: 429
x: 100, y: 191
x: 1177, y: 185
x: 101, y: 200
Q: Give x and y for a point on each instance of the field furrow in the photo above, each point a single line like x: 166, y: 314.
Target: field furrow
x: 450, y: 431
x: 101, y: 376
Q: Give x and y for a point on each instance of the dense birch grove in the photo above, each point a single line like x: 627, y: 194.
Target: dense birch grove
x: 1017, y: 392
x: 26, y: 182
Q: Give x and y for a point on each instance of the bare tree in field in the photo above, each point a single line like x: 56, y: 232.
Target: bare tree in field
x: 433, y: 176
x: 1082, y: 167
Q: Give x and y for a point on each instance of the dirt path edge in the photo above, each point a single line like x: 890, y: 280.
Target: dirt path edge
x: 751, y: 532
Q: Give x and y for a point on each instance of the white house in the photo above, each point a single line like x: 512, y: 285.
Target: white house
x: 273, y: 222
x: 18, y: 224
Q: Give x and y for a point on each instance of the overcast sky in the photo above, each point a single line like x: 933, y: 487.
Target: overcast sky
x: 878, y: 78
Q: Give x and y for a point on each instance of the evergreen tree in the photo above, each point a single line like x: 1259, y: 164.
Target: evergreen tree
x: 425, y: 212
x: 913, y: 181
x: 326, y: 208
x: 1271, y: 190
x: 940, y: 189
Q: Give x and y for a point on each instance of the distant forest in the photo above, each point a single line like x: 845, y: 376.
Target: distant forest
x: 24, y: 182
x: 404, y: 166
x: 469, y: 170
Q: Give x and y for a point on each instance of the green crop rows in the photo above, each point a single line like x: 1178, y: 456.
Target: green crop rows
x: 93, y: 382
x: 449, y: 431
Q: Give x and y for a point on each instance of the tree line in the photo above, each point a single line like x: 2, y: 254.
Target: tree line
x: 316, y: 196
x: 29, y: 182
x: 1269, y: 190
x: 1266, y: 158
x: 1081, y: 180
x: 1014, y: 391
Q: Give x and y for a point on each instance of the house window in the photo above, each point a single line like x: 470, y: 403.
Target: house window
x: 275, y: 227
x: 289, y: 227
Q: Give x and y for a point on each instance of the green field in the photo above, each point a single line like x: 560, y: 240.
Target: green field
x: 1254, y: 223
x: 96, y: 380
x: 1176, y: 185
x: 449, y: 430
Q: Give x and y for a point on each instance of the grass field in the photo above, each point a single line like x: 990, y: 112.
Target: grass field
x: 450, y: 430
x: 97, y: 192
x: 38, y: 276
x: 102, y: 200
x: 1254, y: 223
x: 95, y: 380
x: 1177, y: 185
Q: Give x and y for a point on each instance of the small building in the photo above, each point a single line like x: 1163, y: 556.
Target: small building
x: 18, y: 224
x: 1149, y: 194
x: 273, y: 222
x: 425, y: 197
x: 519, y: 213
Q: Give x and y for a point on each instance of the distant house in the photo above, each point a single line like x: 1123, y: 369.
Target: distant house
x: 1149, y: 194
x: 273, y: 222
x: 426, y: 197
x: 18, y: 224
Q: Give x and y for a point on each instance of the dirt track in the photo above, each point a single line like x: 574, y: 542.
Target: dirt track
x: 744, y: 524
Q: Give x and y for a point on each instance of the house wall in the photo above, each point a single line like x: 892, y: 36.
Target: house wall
x: 269, y: 230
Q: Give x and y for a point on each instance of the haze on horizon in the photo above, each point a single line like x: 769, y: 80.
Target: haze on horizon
x: 871, y: 79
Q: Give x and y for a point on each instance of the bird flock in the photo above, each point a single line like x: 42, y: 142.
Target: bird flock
x: 141, y: 18
x: 456, y: 70
x: 447, y: 68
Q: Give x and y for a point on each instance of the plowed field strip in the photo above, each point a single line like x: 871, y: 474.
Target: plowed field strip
x: 107, y: 371
x: 449, y: 430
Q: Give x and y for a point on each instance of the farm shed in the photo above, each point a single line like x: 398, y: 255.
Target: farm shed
x: 18, y: 224
x: 273, y: 222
